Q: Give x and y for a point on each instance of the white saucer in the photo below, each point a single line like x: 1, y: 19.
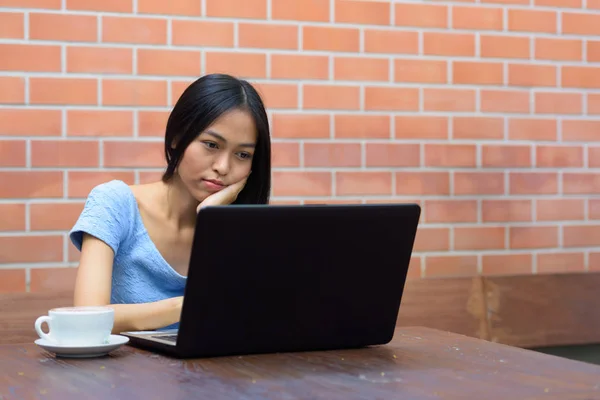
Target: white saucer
x: 62, y: 350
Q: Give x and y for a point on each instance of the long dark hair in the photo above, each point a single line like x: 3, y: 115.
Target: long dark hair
x: 199, y: 106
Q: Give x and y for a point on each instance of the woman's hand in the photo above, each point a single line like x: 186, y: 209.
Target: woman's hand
x: 225, y: 196
x: 146, y: 316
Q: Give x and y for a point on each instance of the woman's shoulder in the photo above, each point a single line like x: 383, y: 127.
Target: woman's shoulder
x: 112, y: 191
x: 114, y: 197
x: 107, y: 214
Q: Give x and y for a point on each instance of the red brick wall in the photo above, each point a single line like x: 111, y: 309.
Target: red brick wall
x: 487, y: 114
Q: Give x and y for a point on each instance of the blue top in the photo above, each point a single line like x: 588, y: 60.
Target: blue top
x: 140, y: 273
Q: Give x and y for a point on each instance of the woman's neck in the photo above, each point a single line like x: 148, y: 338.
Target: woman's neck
x: 179, y: 205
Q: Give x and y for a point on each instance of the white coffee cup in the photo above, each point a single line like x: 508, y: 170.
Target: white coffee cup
x: 77, y: 326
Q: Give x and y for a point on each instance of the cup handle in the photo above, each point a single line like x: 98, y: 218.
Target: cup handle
x: 38, y: 327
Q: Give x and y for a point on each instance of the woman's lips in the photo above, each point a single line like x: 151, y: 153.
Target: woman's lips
x: 213, y: 185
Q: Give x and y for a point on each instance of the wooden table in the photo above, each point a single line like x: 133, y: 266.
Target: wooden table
x: 420, y: 363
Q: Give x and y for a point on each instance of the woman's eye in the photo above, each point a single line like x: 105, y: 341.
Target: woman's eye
x: 244, y: 156
x: 210, y: 145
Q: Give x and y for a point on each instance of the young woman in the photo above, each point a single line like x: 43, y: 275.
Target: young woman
x: 135, y: 241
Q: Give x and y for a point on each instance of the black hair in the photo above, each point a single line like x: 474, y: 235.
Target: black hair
x: 202, y: 102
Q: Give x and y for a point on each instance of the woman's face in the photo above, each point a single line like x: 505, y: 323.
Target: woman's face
x: 220, y: 156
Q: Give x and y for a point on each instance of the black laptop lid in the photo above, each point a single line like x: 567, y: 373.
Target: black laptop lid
x: 290, y: 278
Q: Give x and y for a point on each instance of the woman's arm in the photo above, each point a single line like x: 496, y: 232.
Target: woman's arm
x: 93, y: 287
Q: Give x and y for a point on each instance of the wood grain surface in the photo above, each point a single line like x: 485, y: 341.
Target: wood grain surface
x: 543, y: 310
x: 448, y: 304
x: 523, y: 311
x: 420, y: 363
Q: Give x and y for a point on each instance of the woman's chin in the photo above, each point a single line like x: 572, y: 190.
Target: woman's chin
x: 199, y: 194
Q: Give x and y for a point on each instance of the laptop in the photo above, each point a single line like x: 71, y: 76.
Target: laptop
x: 289, y: 278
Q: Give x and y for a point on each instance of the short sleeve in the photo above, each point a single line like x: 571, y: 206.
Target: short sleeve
x: 106, y: 215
